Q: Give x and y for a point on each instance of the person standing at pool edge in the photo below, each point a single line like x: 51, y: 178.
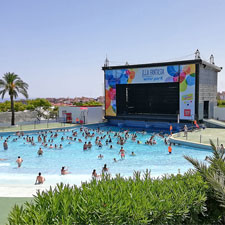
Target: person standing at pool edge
x: 19, y: 161
x: 171, y: 129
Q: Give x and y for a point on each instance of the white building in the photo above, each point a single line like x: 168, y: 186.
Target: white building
x: 74, y: 114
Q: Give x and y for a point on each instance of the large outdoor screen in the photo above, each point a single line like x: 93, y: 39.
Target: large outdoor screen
x: 182, y: 74
x: 150, y: 98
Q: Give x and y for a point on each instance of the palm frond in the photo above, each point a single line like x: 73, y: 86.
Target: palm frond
x: 2, y: 93
x: 199, y: 166
x: 214, y: 174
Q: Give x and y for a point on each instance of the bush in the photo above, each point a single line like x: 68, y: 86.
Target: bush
x: 169, y: 200
x: 221, y: 103
x: 89, y: 103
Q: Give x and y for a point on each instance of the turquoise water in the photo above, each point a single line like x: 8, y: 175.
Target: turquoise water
x: 79, y: 162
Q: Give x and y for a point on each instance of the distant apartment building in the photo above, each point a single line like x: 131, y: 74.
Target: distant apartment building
x: 221, y: 96
x: 71, y: 101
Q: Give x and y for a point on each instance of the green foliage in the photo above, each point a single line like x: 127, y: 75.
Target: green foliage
x: 221, y: 103
x: 12, y: 85
x: 53, y: 113
x: 26, y: 105
x: 214, y: 175
x: 39, y: 102
x: 5, y: 106
x: 19, y: 106
x: 89, y: 103
x: 138, y: 200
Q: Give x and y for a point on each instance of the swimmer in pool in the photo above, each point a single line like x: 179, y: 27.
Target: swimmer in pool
x: 94, y: 174
x: 100, y: 156
x: 64, y: 171
x: 132, y: 154
x: 5, y: 145
x: 85, y: 146
x: 122, y: 153
x: 19, y: 161
x: 105, y: 169
x: 40, y: 151
x: 114, y: 160
x: 40, y: 179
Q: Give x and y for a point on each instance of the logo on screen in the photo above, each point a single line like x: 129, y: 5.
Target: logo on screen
x: 187, y: 112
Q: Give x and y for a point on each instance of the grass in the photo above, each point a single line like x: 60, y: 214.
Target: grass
x: 6, y: 205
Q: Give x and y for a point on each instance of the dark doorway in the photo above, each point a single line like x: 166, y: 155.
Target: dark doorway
x: 154, y: 98
x: 206, y: 109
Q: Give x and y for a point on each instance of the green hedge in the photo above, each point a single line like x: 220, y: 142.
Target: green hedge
x: 221, y: 103
x: 172, y: 199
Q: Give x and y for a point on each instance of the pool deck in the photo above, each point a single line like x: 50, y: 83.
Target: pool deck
x: 37, y: 127
x: 200, y: 138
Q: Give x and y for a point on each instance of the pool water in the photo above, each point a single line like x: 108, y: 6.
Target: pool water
x: 82, y: 163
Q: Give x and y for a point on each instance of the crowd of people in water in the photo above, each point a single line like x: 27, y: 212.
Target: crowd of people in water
x: 88, y: 137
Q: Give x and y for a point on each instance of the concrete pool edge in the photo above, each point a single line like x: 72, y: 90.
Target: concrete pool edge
x: 48, y: 129
x: 174, y: 140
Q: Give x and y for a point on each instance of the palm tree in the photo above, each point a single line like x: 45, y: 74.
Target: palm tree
x: 13, y: 85
x: 214, y: 174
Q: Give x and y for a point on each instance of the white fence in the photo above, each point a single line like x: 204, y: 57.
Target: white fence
x: 5, y: 117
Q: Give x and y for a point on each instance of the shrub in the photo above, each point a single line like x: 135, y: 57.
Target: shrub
x: 221, y: 103
x: 214, y: 175
x: 138, y: 200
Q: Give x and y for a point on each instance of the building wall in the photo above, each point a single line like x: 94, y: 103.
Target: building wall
x: 92, y: 115
x: 219, y: 113
x: 95, y: 115
x: 207, y: 90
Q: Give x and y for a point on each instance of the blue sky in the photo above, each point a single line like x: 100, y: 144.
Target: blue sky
x: 58, y: 47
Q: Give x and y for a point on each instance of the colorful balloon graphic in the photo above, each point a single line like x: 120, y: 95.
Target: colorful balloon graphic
x: 107, y: 99
x: 131, y: 74
x: 190, y: 80
x: 182, y: 76
x: 189, y: 69
x: 183, y: 86
x: 173, y: 71
x: 112, y: 93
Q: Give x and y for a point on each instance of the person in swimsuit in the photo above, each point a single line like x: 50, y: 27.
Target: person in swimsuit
x: 40, y: 151
x: 94, y: 174
x: 64, y: 171
x: 40, y: 179
x: 5, y: 145
x: 105, y: 169
x: 19, y: 161
x: 85, y: 146
x: 100, y: 156
x: 122, y: 153
x: 170, y: 149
